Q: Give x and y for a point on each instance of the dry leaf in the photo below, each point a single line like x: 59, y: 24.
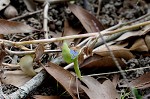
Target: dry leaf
x: 98, y: 62
x: 141, y: 82
x: 139, y: 45
x: 30, y: 5
x: 46, y: 97
x: 16, y: 78
x: 9, y: 27
x: 4, y: 3
x: 130, y: 34
x: 69, y: 30
x: 2, y: 53
x: 118, y: 51
x: 26, y: 65
x: 64, y: 77
x: 39, y: 52
x: 96, y: 90
x: 90, y: 23
x: 147, y: 41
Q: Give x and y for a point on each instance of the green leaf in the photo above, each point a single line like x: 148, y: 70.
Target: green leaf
x: 69, y: 56
x: 66, y: 53
x: 138, y: 96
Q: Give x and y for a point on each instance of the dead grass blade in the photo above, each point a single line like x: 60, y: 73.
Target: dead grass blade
x: 131, y: 34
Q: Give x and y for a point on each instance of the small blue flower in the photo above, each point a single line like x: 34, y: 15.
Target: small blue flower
x: 73, y: 53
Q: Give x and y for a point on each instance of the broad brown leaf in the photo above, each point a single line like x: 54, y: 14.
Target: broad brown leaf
x: 130, y: 34
x: 64, y: 77
x: 141, y: 82
x: 139, y: 45
x: 39, y: 52
x: 2, y: 53
x: 99, y: 62
x: 118, y: 51
x: 96, y: 90
x: 30, y: 5
x: 69, y: 30
x: 46, y: 97
x: 90, y: 23
x: 9, y: 27
x: 16, y: 78
x: 147, y: 41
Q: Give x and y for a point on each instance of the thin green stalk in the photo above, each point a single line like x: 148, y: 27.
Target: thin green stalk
x: 76, y: 68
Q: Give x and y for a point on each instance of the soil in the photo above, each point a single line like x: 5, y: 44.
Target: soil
x: 108, y: 12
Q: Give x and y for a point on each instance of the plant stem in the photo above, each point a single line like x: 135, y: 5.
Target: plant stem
x: 76, y: 68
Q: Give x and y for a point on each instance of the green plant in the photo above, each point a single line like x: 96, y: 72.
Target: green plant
x: 71, y: 55
x: 137, y: 95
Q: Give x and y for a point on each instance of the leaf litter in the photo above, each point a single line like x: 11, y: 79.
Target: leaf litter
x: 136, y: 41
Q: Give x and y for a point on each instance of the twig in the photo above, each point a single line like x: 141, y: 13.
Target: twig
x: 24, y: 15
x: 10, y: 66
x: 45, y: 22
x: 29, y: 52
x: 54, y: 1
x: 127, y: 28
x: 11, y: 43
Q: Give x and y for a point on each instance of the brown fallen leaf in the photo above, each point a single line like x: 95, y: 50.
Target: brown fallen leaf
x: 64, y: 77
x: 98, y: 62
x: 96, y: 90
x: 131, y: 34
x: 139, y: 45
x: 16, y: 78
x: 2, y: 54
x: 142, y: 82
x: 46, y: 97
x: 90, y: 23
x: 30, y: 5
x: 9, y: 27
x: 147, y: 41
x: 70, y: 30
x: 118, y: 51
x: 39, y: 52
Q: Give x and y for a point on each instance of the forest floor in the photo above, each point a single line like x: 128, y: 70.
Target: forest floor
x: 109, y: 13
